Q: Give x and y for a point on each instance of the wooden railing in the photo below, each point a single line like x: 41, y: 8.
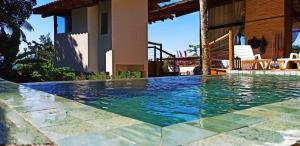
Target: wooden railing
x: 157, y: 47
x: 228, y: 36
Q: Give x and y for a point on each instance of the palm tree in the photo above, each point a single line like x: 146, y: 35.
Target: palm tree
x: 206, y: 61
x: 12, y: 22
x: 9, y: 48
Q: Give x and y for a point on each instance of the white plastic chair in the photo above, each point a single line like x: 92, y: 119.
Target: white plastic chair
x: 245, y: 52
x: 294, y: 57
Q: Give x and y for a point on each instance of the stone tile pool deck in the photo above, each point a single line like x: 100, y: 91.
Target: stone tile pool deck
x: 28, y: 116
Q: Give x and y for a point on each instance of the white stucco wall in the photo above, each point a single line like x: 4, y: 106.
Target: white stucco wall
x: 109, y: 63
x: 71, y: 50
x: 105, y: 40
x: 129, y: 33
x: 125, y: 44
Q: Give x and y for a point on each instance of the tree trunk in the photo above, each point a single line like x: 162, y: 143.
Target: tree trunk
x: 206, y: 61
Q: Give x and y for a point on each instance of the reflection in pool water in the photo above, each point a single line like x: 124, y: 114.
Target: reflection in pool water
x: 169, y: 100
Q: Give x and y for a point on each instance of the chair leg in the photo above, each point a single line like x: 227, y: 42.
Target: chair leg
x: 285, y: 64
x: 261, y: 65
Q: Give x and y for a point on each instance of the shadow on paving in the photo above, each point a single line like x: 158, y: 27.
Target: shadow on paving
x: 3, y: 128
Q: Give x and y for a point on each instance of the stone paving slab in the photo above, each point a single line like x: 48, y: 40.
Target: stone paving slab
x: 179, y: 134
x: 289, y: 131
x: 271, y: 115
x: 292, y: 103
x: 225, y: 140
x: 240, y: 119
x: 255, y: 134
x: 266, y: 72
x: 141, y: 134
x: 95, y: 139
x: 281, y: 109
x: 216, y: 125
x: 105, y: 124
x: 15, y: 130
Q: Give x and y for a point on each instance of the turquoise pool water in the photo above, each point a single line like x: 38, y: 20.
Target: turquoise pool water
x: 169, y: 100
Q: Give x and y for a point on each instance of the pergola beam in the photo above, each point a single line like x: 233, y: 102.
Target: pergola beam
x: 62, y: 6
x: 183, y: 7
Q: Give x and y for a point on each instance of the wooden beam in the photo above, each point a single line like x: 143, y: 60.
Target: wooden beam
x: 55, y: 25
x: 219, y: 39
x: 226, y: 25
x: 231, y: 50
x: 183, y: 7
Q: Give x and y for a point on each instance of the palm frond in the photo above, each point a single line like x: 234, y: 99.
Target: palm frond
x: 23, y: 36
x: 26, y: 25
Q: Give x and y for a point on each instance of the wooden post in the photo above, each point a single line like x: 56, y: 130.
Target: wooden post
x: 55, y: 25
x: 174, y: 65
x: 206, y: 58
x: 155, y: 59
x: 161, y: 52
x: 157, y: 62
x: 231, y: 50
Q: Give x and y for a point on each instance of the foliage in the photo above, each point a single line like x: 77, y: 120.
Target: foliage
x: 36, y: 62
x: 13, y: 16
x: 9, y: 48
x: 15, y: 12
x: 194, y: 50
x: 296, y: 47
x: 99, y: 76
x: 129, y: 75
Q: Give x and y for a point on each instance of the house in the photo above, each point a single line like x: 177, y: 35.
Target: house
x: 111, y: 35
x: 100, y: 35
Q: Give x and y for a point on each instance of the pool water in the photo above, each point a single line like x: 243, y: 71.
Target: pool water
x: 170, y: 100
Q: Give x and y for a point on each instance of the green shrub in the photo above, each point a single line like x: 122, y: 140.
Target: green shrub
x: 129, y: 75
x: 36, y: 63
x: 99, y: 76
x: 65, y: 74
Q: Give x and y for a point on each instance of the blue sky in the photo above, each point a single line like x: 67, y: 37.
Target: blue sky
x: 42, y: 26
x: 175, y: 34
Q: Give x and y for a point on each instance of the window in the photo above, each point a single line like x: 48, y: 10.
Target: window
x: 63, y: 24
x: 104, y: 23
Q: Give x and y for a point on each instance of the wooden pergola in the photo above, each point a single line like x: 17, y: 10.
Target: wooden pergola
x: 156, y: 11
x: 177, y: 9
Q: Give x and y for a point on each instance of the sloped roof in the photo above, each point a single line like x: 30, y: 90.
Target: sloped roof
x: 59, y: 7
x: 156, y: 11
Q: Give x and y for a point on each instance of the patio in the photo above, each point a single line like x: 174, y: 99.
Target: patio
x: 59, y: 121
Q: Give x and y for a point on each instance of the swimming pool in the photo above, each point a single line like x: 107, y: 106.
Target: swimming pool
x: 170, y: 100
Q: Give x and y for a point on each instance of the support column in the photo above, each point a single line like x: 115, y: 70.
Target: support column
x: 206, y: 61
x: 129, y: 36
x: 55, y: 25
